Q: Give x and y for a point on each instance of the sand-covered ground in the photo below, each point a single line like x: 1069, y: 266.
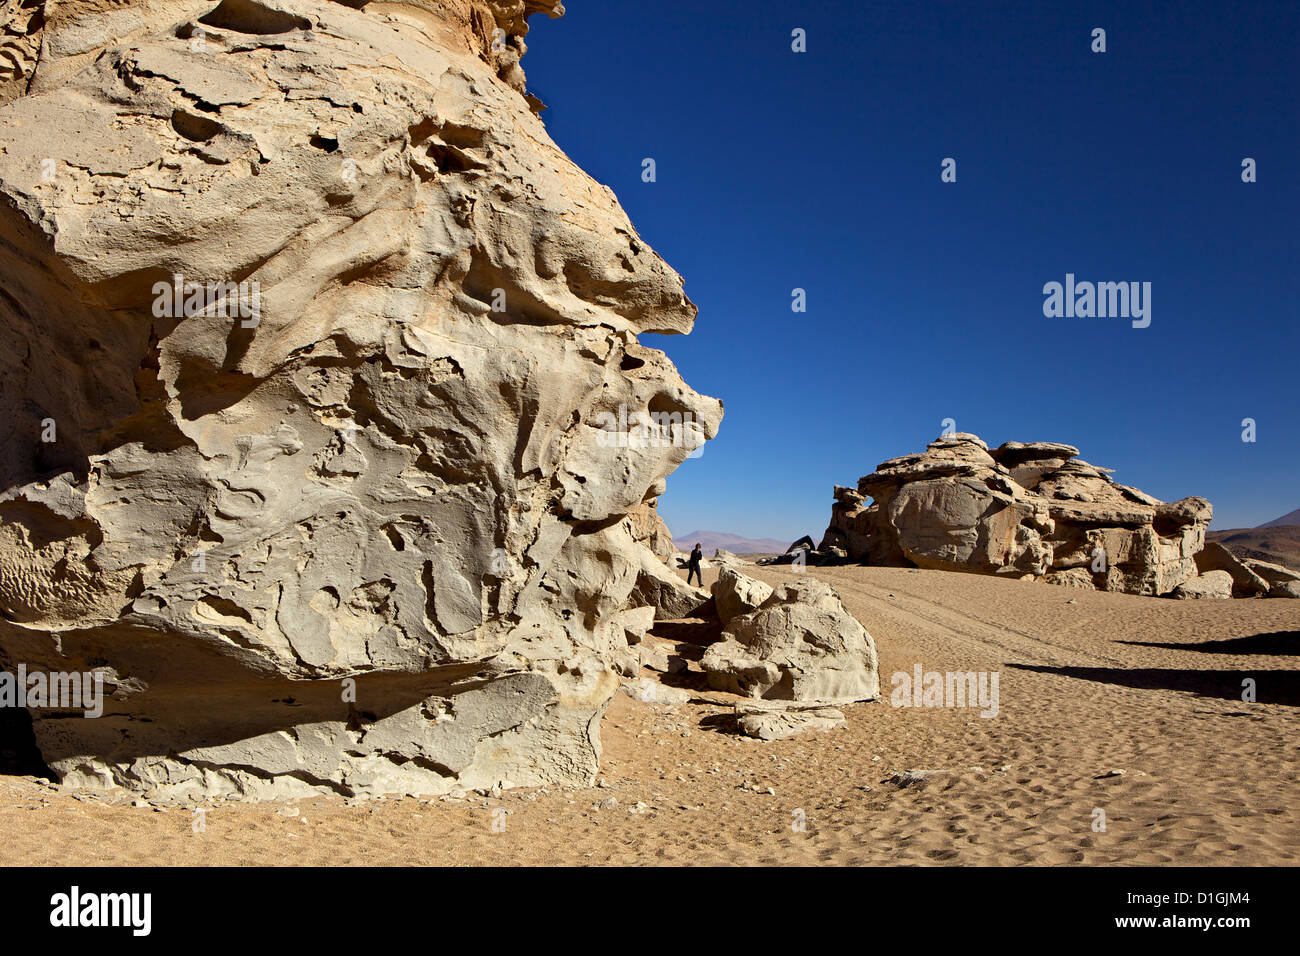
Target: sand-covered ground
x: 1088, y: 684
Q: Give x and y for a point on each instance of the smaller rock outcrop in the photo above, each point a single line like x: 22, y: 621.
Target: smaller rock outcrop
x: 800, y: 644
x: 1245, y: 582
x: 1282, y: 582
x: 1027, y: 510
x: 721, y: 557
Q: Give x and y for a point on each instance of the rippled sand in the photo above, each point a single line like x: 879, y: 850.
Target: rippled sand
x: 1106, y: 683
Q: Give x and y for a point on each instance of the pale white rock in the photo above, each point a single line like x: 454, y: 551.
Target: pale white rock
x: 370, y: 535
x: 768, y: 720
x: 650, y: 691
x: 722, y: 557
x: 660, y: 655
x: 735, y: 594
x: 636, y: 622
x: 1211, y: 584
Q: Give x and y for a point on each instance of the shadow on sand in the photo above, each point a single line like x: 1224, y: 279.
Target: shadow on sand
x: 1271, y: 687
x: 1274, y: 642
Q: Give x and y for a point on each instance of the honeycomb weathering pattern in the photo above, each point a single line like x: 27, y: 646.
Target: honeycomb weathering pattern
x: 383, y: 478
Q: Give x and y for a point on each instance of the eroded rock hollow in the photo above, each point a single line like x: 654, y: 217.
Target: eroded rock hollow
x: 309, y: 331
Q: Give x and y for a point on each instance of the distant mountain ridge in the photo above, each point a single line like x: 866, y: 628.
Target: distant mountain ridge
x: 1273, y: 542
x: 1285, y: 521
x: 710, y: 541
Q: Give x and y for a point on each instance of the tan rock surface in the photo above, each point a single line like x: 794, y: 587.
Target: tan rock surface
x: 799, y: 644
x: 1023, y: 509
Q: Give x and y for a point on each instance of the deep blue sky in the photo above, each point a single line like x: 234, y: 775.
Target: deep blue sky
x: 821, y: 170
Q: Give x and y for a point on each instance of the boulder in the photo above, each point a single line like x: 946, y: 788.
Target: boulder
x: 1245, y: 582
x: 671, y: 597
x: 1211, y: 584
x: 650, y: 691
x: 800, y: 644
x: 1024, y: 510
x: 318, y: 354
x: 1282, y: 581
x: 735, y: 594
x: 660, y: 655
x: 636, y: 622
x: 777, y: 720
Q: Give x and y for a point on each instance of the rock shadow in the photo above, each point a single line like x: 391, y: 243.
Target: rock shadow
x: 1271, y: 687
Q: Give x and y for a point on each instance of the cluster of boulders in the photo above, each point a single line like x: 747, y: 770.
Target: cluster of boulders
x: 795, y: 643
x: 1034, y: 511
x: 793, y: 651
x: 802, y: 553
x: 1221, y: 574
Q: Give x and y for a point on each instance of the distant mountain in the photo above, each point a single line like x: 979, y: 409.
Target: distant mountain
x: 1285, y: 521
x: 1273, y: 542
x: 710, y: 541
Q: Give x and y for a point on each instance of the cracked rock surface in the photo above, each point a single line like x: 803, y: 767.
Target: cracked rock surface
x: 366, y: 535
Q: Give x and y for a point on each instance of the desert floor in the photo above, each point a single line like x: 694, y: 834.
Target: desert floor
x: 1089, y: 684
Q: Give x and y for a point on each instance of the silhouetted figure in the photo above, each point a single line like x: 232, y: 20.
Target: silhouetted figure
x: 693, y: 566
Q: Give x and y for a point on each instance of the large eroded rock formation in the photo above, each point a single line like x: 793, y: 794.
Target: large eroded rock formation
x: 352, y: 524
x: 1031, y: 510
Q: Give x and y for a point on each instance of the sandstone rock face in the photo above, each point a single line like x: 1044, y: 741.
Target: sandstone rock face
x: 1029, y: 510
x: 649, y: 529
x: 801, y: 644
x: 311, y: 338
